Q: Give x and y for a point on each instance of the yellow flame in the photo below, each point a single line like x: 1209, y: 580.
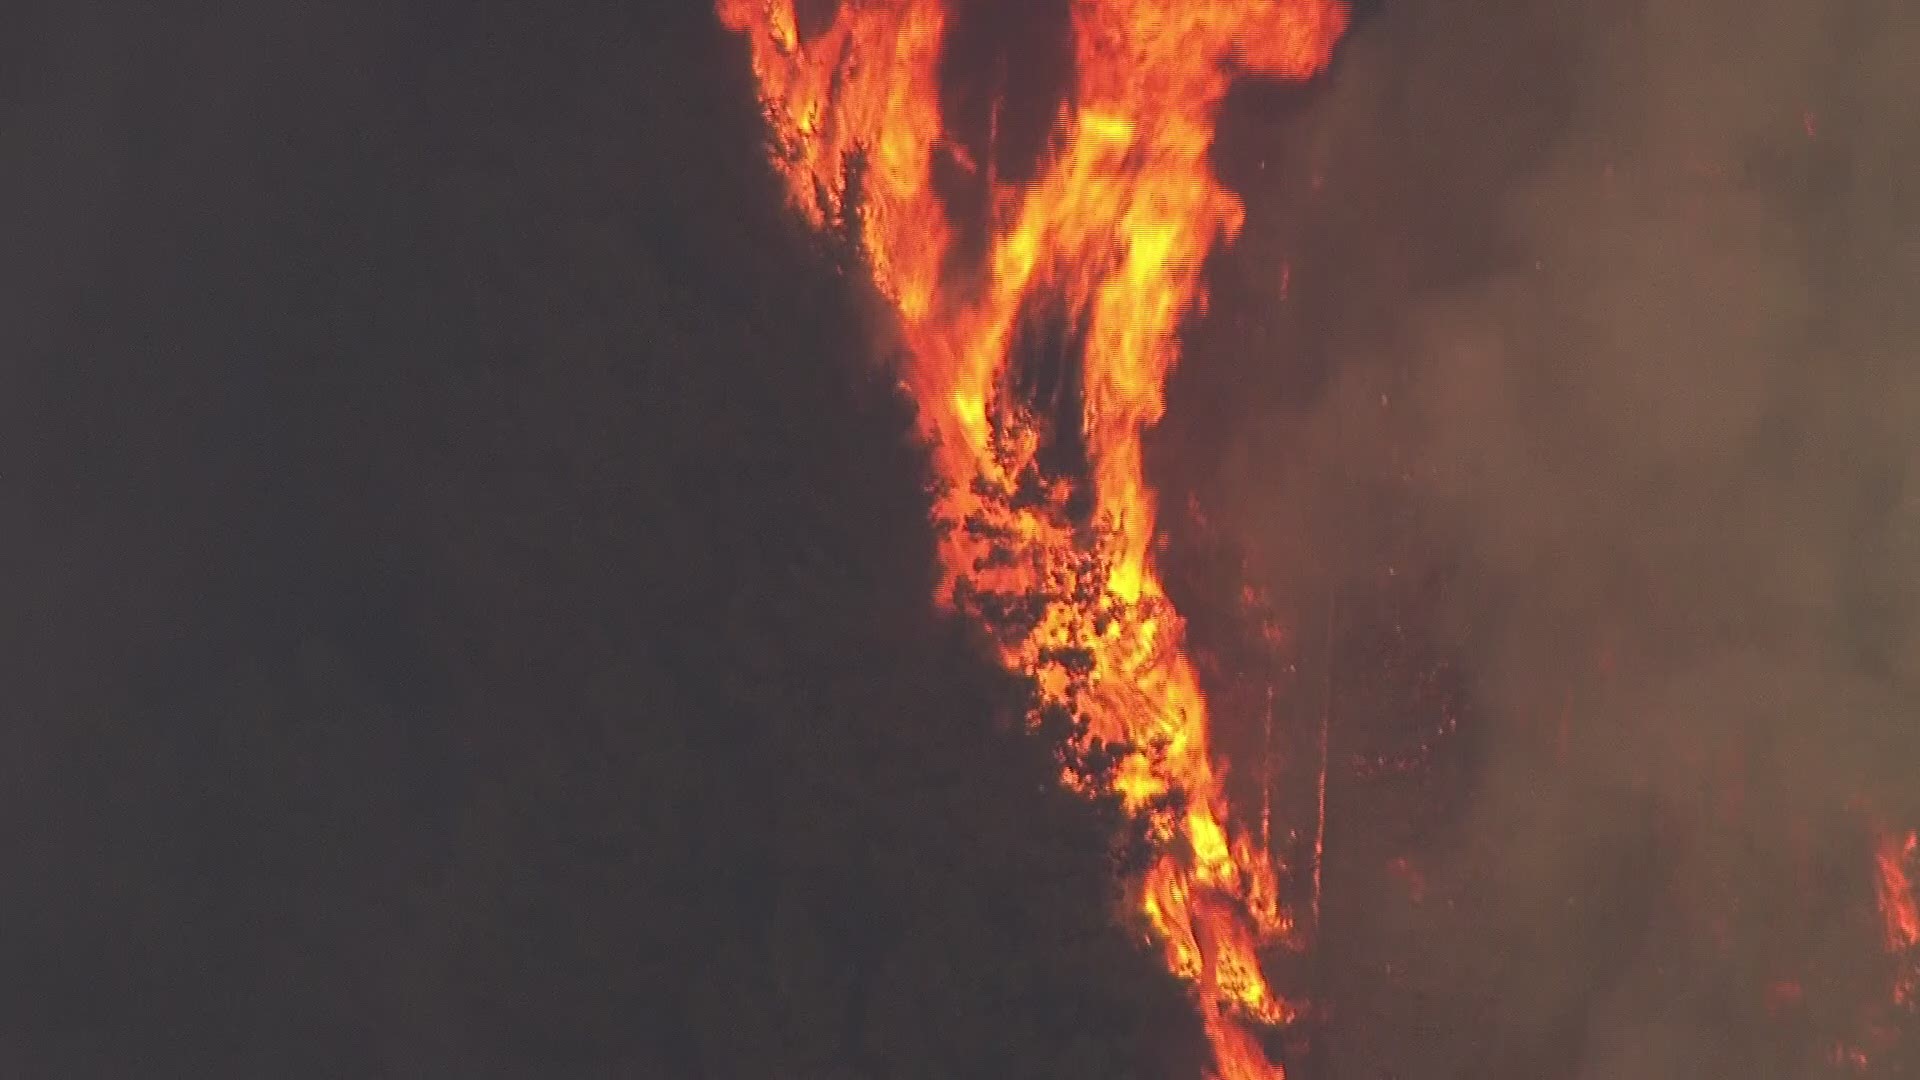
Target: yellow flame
x: 1116, y: 227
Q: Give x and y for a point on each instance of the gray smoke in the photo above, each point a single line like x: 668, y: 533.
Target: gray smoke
x: 1603, y: 316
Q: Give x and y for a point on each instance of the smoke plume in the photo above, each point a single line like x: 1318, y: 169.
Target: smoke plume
x: 1571, y: 347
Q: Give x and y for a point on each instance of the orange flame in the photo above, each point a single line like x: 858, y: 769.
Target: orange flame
x: 1113, y: 230
x: 1899, y: 911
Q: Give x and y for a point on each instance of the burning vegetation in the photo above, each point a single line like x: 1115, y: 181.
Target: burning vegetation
x: 1050, y: 526
x: 1039, y: 313
x: 1894, y: 861
x: 475, y: 609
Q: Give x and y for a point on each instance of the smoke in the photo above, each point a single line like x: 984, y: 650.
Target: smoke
x: 1575, y: 341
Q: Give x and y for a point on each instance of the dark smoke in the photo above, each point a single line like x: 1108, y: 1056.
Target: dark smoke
x: 1591, y: 385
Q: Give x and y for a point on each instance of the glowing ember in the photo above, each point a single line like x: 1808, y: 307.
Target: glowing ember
x: 1059, y: 563
x: 1842, y: 1056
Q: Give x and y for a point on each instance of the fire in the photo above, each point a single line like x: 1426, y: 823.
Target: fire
x: 1109, y: 237
x: 1901, y: 915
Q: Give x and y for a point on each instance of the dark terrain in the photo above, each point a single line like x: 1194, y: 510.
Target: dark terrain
x: 468, y: 607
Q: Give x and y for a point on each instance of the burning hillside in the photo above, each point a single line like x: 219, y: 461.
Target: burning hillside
x: 1384, y: 542
x: 1089, y: 269
x: 1040, y: 315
